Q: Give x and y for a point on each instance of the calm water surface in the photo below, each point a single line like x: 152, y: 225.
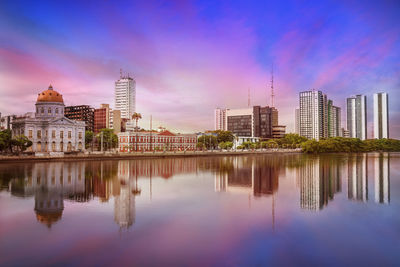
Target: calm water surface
x: 274, y: 210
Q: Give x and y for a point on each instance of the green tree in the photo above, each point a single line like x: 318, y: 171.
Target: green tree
x: 229, y: 145
x: 21, y: 142
x: 110, y: 139
x: 136, y: 116
x: 222, y: 145
x: 5, y: 141
x: 209, y: 141
x: 89, y: 135
x: 224, y: 136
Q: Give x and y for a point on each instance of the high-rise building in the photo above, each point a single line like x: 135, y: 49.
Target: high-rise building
x: 297, y: 120
x: 101, y: 117
x: 220, y: 119
x: 334, y: 120
x: 357, y: 116
x: 250, y: 122
x: 81, y: 113
x: 381, y: 115
x: 313, y: 115
x: 125, y: 96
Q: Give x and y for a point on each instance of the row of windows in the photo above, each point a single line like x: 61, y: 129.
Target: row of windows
x: 48, y: 111
x: 53, y: 134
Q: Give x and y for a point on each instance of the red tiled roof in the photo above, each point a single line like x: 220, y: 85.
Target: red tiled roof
x: 167, y: 133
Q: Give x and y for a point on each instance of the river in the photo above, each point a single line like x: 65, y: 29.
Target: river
x: 276, y: 210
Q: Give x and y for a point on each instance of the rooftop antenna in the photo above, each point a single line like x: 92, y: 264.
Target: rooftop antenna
x: 120, y: 73
x: 248, y: 97
x: 272, y: 85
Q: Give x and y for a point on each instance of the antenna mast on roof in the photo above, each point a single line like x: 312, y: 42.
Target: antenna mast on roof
x: 120, y: 73
x: 272, y: 85
x: 248, y: 97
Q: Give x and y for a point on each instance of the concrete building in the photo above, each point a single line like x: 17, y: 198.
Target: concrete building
x: 313, y: 116
x: 345, y: 133
x: 220, y: 119
x: 150, y: 141
x: 297, y: 120
x: 6, y: 122
x: 48, y: 128
x: 278, y: 131
x: 334, y: 120
x: 101, y: 117
x: 115, y: 121
x: 125, y: 96
x: 381, y: 115
x: 357, y: 116
x: 81, y: 113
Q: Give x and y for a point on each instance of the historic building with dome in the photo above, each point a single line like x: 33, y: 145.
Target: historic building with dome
x: 48, y: 129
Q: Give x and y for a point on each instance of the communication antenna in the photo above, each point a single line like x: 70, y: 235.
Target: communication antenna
x: 248, y: 97
x: 272, y: 85
x: 120, y: 73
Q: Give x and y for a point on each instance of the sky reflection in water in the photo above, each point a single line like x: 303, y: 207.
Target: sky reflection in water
x: 272, y: 209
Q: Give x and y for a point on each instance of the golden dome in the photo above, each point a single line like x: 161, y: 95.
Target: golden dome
x: 50, y: 96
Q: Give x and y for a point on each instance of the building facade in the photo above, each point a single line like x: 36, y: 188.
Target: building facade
x: 125, y: 96
x: 48, y: 128
x: 313, y: 117
x: 334, y: 120
x: 151, y: 141
x: 381, y: 115
x: 6, y: 122
x: 101, y: 117
x: 357, y: 116
x: 81, y: 113
x: 220, y: 119
x: 297, y: 120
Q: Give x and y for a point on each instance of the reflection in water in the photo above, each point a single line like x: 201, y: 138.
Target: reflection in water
x: 253, y: 175
x: 50, y: 184
x: 358, y: 175
x: 382, y: 182
x: 318, y: 179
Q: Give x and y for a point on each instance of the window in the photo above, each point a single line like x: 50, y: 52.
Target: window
x: 49, y: 111
x: 53, y: 146
x: 39, y: 134
x: 42, y: 110
x: 56, y: 110
x: 30, y: 135
x: 61, y: 134
x: 47, y: 132
x: 69, y: 134
x: 53, y: 133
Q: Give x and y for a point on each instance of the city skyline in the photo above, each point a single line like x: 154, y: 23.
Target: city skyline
x: 189, y: 58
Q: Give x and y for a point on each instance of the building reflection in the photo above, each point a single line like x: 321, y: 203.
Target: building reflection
x: 50, y: 184
x: 319, y: 180
x: 257, y: 176
x: 382, y: 178
x: 357, y: 186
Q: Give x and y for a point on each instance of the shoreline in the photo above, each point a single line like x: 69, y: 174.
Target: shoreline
x: 144, y: 155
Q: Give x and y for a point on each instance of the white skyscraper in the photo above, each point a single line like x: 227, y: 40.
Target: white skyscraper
x: 125, y: 96
x: 381, y: 115
x: 297, y: 120
x: 357, y: 116
x: 313, y: 115
x: 220, y: 119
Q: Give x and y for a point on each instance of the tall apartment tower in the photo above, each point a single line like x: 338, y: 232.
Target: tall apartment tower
x: 334, y: 120
x: 297, y: 120
x: 220, y: 119
x: 125, y: 96
x: 357, y: 116
x: 381, y: 115
x: 313, y: 115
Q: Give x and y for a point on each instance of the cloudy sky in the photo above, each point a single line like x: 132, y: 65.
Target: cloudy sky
x: 189, y: 57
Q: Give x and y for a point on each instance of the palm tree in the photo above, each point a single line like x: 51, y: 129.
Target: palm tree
x: 136, y: 116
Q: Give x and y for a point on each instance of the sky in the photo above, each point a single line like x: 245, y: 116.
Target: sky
x: 189, y: 57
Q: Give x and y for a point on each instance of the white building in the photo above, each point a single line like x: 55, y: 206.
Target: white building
x: 220, y: 119
x: 313, y: 115
x: 357, y: 116
x: 48, y: 129
x: 297, y: 120
x: 381, y: 115
x: 125, y: 96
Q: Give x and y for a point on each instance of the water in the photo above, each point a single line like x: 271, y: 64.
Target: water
x: 274, y: 210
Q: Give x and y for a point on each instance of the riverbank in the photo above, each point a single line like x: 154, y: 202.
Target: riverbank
x: 140, y: 155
